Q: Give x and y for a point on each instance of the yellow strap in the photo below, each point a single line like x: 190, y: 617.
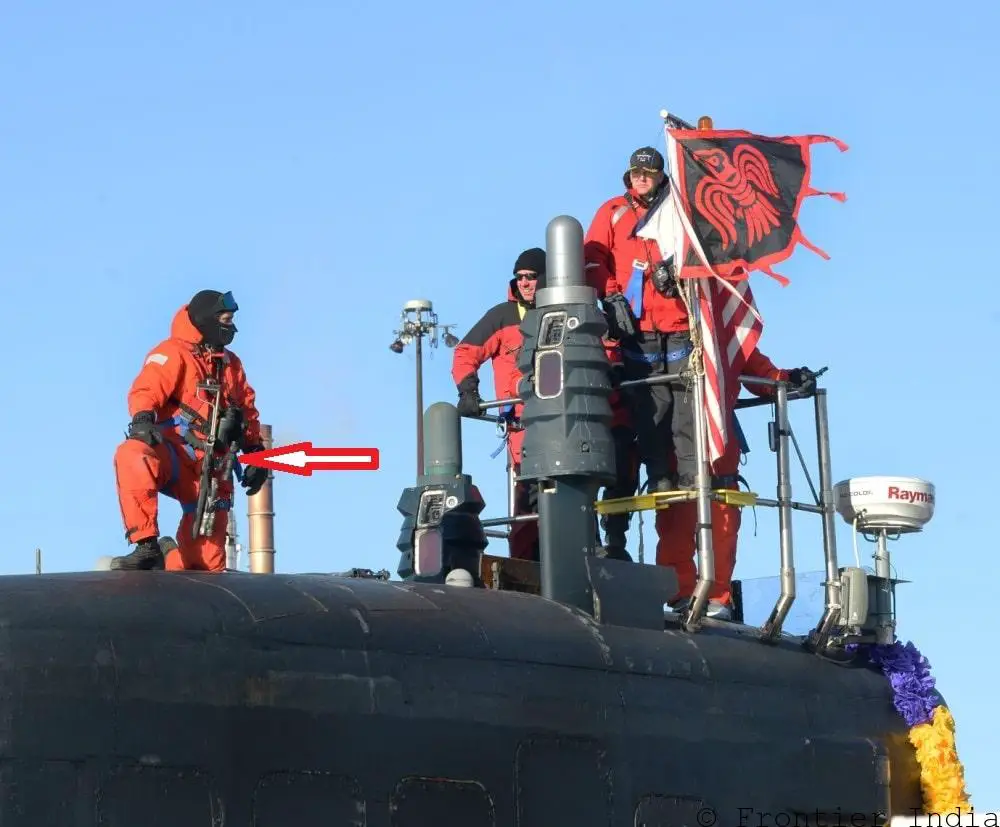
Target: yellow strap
x: 664, y: 499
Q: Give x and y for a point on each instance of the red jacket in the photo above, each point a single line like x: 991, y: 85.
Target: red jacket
x: 611, y: 257
x: 169, y: 377
x: 496, y: 337
x: 757, y: 365
x: 621, y: 417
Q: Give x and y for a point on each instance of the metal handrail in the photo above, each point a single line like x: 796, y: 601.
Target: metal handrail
x: 780, y: 437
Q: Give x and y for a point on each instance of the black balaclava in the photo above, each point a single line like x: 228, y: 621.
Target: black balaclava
x: 203, y: 311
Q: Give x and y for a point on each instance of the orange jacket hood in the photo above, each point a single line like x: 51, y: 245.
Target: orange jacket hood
x: 182, y: 328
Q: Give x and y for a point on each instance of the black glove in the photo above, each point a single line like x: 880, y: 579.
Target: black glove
x: 143, y: 428
x: 622, y: 324
x: 231, y: 426
x: 468, y: 396
x: 254, y: 477
x: 802, y: 379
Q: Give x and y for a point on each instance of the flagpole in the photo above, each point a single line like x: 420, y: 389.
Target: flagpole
x: 673, y: 120
x: 703, y: 478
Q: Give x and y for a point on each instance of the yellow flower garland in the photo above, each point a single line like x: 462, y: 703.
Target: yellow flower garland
x: 942, y: 776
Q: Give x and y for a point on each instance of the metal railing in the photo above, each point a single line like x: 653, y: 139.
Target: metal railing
x: 781, y: 438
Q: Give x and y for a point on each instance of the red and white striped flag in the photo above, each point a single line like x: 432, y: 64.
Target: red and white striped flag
x: 730, y: 330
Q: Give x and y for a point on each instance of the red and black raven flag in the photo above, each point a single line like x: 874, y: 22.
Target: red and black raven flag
x: 731, y: 208
x: 741, y: 194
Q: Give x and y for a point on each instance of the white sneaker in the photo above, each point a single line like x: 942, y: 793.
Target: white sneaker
x: 681, y: 606
x: 718, y: 611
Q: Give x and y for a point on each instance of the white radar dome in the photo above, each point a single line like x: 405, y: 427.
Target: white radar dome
x: 417, y: 305
x: 903, y: 504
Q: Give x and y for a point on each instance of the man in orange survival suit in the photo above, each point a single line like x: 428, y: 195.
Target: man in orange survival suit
x: 497, y: 337
x: 629, y: 273
x: 169, y: 420
x: 676, y: 526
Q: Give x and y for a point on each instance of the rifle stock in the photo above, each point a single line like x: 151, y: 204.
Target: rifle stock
x: 207, y: 524
x: 207, y: 486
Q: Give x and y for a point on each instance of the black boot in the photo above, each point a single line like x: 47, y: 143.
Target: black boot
x: 146, y: 556
x: 615, y: 526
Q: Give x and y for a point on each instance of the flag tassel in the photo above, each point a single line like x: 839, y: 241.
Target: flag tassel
x: 782, y: 280
x: 836, y: 196
x: 812, y: 140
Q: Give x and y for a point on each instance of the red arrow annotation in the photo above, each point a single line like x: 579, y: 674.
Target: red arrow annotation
x: 302, y: 459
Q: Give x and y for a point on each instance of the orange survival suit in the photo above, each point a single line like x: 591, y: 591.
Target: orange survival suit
x: 676, y: 526
x: 169, y: 417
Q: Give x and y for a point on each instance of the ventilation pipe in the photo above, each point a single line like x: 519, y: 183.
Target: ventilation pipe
x: 260, y: 517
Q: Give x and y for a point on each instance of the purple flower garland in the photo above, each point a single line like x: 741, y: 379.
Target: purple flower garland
x: 908, y: 671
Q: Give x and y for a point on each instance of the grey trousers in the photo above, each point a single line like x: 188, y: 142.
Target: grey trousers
x: 625, y: 485
x: 662, y: 415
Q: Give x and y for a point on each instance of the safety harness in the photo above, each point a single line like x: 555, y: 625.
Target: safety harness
x: 634, y: 288
x: 187, y: 424
x: 651, y: 358
x: 506, y: 422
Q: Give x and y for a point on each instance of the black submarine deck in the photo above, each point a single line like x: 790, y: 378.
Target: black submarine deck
x: 218, y: 699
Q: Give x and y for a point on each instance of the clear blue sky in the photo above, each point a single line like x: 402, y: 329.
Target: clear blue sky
x: 328, y: 161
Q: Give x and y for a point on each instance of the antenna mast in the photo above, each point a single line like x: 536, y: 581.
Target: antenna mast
x: 418, y: 320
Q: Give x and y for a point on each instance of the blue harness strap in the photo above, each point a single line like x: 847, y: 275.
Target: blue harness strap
x: 507, y: 419
x: 653, y: 358
x: 744, y: 445
x: 222, y: 504
x: 182, y: 423
x: 175, y: 469
x: 633, y: 290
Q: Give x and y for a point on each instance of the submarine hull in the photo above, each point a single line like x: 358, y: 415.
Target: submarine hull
x: 169, y: 698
